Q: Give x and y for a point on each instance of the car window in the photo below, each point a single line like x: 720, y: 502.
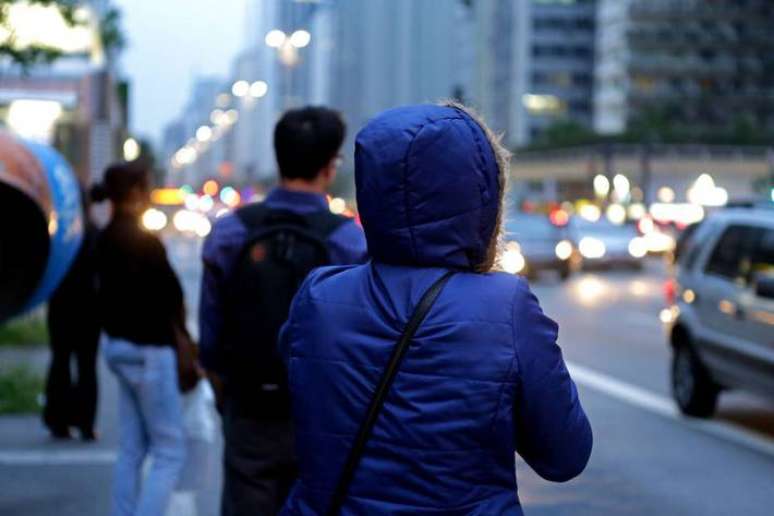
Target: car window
x: 731, y: 252
x: 602, y: 228
x: 693, y: 243
x: 531, y: 228
x: 761, y: 260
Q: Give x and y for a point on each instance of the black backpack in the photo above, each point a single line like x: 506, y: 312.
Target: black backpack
x: 281, y: 249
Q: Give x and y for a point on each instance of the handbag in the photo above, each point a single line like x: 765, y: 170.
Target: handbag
x: 393, y: 364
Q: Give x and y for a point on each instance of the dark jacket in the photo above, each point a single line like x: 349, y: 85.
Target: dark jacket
x: 483, y: 378
x: 139, y: 294
x: 73, y: 308
x: 221, y: 250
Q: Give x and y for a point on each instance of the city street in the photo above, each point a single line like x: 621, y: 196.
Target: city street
x: 646, y: 458
x: 601, y: 136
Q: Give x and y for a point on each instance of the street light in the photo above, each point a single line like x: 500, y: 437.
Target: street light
x: 287, y: 46
x: 216, y: 117
x: 204, y: 133
x: 258, y: 89
x: 231, y: 116
x: 275, y: 38
x: 131, y: 149
x: 240, y: 88
x: 287, y: 52
x: 300, y: 38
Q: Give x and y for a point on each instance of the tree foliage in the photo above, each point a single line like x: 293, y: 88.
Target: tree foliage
x: 33, y: 54
x: 654, y: 126
x: 111, y: 34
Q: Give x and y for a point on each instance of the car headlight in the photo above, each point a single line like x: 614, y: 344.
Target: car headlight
x: 638, y: 247
x: 154, y: 220
x: 193, y: 222
x: 513, y: 261
x: 658, y: 242
x: 591, y: 247
x: 563, y: 250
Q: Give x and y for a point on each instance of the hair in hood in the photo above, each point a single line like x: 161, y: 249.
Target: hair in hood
x: 431, y: 181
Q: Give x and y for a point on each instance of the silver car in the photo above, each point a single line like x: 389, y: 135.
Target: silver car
x: 604, y: 244
x: 721, y: 325
x: 534, y: 244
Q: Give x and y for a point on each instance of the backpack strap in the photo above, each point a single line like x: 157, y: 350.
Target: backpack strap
x: 321, y: 223
x: 252, y: 215
x: 393, y: 364
x: 324, y: 223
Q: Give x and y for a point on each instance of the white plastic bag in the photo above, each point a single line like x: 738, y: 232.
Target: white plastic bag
x: 182, y: 503
x: 198, y: 488
x: 199, y: 414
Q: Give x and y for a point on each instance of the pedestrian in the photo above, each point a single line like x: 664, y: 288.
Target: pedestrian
x: 415, y: 377
x: 74, y: 330
x: 141, y: 303
x: 254, y: 261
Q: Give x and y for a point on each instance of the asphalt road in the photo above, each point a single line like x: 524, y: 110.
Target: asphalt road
x: 646, y: 459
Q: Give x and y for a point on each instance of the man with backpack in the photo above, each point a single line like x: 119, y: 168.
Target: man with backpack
x: 254, y: 261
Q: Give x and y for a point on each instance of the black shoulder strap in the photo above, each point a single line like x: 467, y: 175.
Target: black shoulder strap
x: 367, y: 425
x: 321, y: 223
x: 324, y: 222
x: 252, y: 215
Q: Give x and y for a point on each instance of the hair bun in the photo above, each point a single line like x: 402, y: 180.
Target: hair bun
x: 99, y: 192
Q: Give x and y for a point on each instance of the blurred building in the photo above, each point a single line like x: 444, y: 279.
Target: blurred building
x: 225, y: 130
x: 703, y: 64
x: 358, y: 57
x: 534, y: 64
x: 388, y: 53
x: 76, y: 103
x: 182, y: 131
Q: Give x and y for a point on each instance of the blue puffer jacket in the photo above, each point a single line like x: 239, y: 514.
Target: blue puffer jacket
x: 483, y: 377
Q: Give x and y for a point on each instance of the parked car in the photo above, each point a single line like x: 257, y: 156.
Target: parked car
x: 534, y: 244
x: 604, y: 244
x: 721, y: 328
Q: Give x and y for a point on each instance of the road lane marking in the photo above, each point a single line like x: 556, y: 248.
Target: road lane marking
x: 43, y: 457
x: 665, y: 407
x: 584, y: 376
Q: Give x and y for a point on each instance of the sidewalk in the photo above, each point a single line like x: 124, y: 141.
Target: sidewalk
x: 40, y: 476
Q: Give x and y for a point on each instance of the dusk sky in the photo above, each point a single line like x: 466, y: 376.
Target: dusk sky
x: 170, y: 43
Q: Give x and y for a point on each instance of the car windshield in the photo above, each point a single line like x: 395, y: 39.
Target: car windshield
x: 531, y: 228
x: 601, y: 227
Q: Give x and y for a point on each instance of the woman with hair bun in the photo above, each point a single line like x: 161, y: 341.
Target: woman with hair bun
x: 141, y: 302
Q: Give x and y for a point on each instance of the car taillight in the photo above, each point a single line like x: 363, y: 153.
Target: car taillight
x: 559, y: 217
x: 670, y: 291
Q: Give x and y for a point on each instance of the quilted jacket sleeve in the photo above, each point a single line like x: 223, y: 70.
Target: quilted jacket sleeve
x: 553, y: 434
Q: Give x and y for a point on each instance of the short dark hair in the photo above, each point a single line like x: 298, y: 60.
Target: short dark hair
x: 306, y: 139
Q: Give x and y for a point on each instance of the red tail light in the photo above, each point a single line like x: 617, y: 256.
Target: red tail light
x: 670, y: 291
x: 559, y: 217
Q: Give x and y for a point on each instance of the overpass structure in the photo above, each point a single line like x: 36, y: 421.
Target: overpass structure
x: 740, y: 169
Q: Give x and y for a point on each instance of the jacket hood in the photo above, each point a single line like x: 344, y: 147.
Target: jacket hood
x: 428, y: 187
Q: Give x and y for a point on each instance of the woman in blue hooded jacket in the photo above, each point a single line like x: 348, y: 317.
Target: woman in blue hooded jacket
x: 483, y: 377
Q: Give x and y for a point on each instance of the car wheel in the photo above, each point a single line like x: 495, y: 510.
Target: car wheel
x: 692, y: 388
x: 564, y: 273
